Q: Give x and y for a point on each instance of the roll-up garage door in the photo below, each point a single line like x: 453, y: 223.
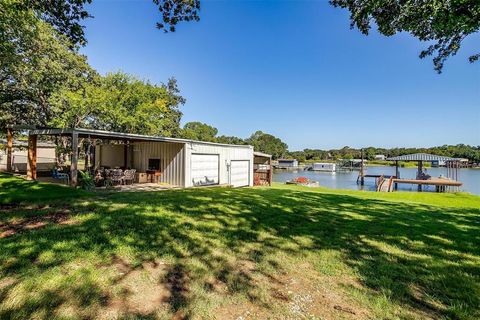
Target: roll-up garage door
x: 240, y: 173
x: 204, y: 169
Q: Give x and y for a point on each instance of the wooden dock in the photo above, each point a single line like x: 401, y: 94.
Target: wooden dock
x: 387, y: 184
x: 432, y: 182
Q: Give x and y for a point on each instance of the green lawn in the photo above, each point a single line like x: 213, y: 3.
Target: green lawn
x: 256, y: 253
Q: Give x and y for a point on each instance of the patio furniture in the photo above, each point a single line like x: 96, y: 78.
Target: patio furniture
x: 100, y: 177
x: 129, y: 175
x: 117, y: 176
x: 141, y: 177
x: 61, y: 176
x: 153, y: 175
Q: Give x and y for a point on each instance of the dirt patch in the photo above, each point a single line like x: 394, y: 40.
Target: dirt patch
x: 329, y: 300
x: 138, y: 289
x: 36, y: 222
x: 7, y: 282
x: 297, y: 294
x: 8, y: 207
x: 243, y: 311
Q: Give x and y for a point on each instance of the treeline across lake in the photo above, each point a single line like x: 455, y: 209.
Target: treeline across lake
x: 472, y: 153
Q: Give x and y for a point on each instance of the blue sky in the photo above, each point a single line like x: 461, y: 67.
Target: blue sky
x: 293, y: 69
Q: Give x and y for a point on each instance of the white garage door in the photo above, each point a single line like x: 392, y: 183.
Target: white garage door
x: 204, y: 169
x: 240, y: 173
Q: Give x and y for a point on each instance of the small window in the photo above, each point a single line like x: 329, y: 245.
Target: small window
x: 153, y: 164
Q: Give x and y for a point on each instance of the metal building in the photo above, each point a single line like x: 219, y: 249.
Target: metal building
x: 180, y: 162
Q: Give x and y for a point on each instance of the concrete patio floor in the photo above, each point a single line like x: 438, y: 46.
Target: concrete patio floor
x: 140, y: 187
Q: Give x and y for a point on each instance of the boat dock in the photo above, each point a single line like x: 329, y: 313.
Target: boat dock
x: 388, y: 183
x: 385, y: 184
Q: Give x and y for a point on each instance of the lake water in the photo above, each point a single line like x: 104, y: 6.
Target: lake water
x: 348, y: 179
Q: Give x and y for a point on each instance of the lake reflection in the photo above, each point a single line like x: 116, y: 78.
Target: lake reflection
x: 348, y: 179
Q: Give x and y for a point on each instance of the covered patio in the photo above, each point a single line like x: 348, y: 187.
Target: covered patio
x: 116, y: 158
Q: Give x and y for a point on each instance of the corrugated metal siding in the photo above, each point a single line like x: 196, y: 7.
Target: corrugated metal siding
x: 226, y: 153
x: 176, y: 158
x: 170, y: 154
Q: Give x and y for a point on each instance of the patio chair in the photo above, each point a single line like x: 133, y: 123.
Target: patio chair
x: 100, y: 177
x: 129, y: 175
x: 60, y: 176
x: 117, y: 176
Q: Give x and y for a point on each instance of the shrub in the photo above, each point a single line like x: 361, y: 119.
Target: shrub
x: 86, y: 181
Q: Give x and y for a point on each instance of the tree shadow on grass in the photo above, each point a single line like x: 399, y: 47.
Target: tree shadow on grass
x: 410, y: 252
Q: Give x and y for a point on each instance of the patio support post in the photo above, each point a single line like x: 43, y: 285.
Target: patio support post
x: 9, y: 149
x: 125, y: 154
x: 397, y: 174
x: 270, y: 172
x: 74, y: 160
x: 32, y: 158
x: 420, y: 170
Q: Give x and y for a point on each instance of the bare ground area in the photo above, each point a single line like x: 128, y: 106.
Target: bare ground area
x: 11, y: 228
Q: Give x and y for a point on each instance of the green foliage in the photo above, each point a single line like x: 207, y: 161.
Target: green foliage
x: 121, y: 102
x: 299, y: 155
x: 174, y: 11
x: 230, y: 140
x: 86, y: 181
x: 63, y: 15
x: 268, y: 143
x: 66, y: 15
x: 35, y: 62
x: 445, y: 22
x: 199, y: 131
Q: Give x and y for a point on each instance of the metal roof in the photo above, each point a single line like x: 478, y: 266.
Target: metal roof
x: 421, y: 157
x: 261, y: 154
x: 101, y: 134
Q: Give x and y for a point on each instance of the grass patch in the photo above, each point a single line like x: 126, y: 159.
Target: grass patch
x: 284, y: 252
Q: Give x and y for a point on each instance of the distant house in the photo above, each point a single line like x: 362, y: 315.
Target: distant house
x: 46, y: 159
x: 380, y: 157
x: 324, y: 166
x: 438, y: 163
x: 287, y: 163
x: 443, y: 163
